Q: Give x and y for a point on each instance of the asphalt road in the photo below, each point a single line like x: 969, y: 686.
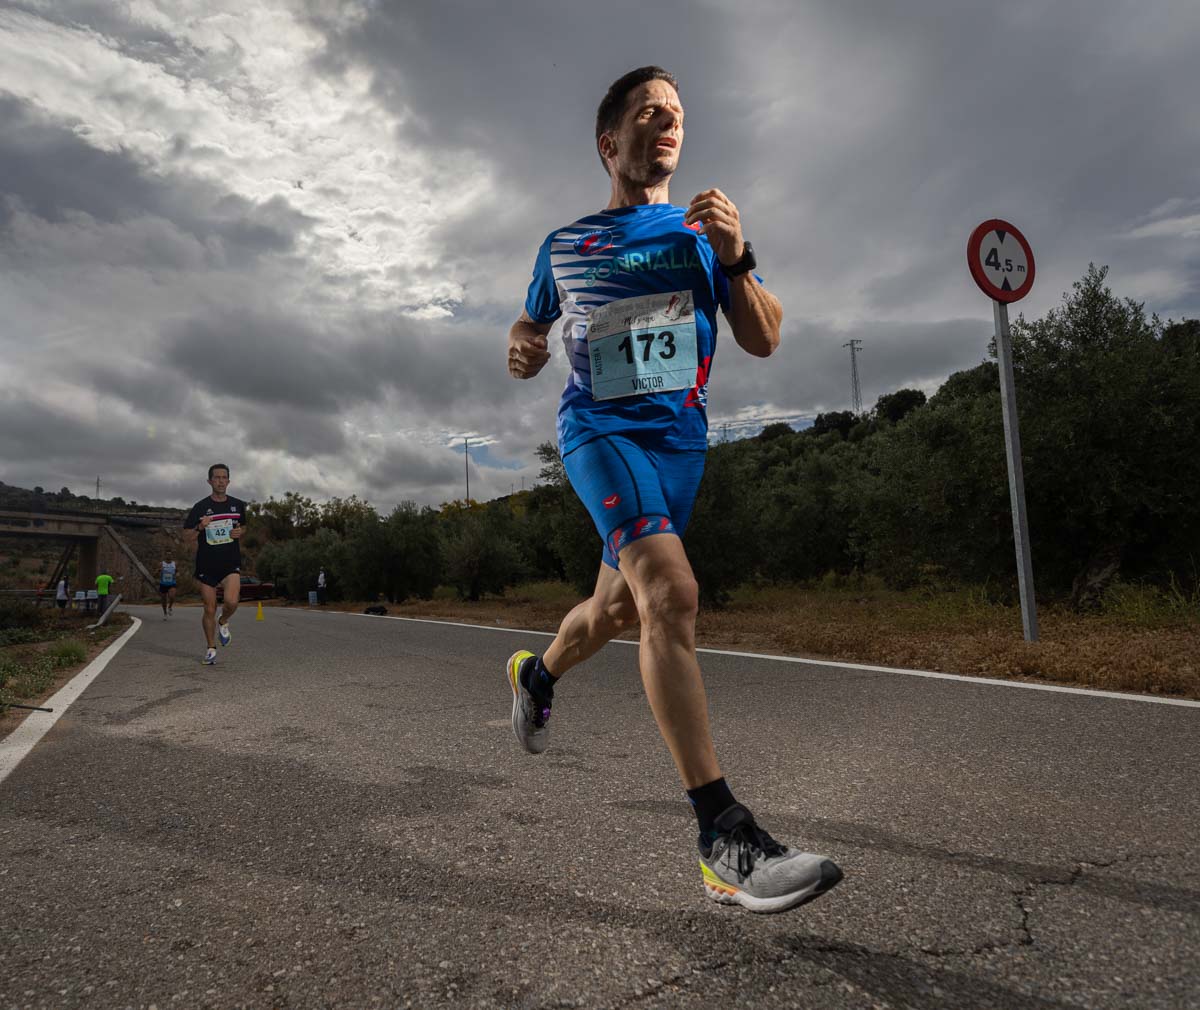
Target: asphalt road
x: 337, y: 815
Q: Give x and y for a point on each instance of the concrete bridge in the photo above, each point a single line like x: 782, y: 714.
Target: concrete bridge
x: 82, y: 533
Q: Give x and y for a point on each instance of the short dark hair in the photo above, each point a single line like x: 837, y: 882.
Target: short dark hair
x: 608, y: 116
x: 217, y: 466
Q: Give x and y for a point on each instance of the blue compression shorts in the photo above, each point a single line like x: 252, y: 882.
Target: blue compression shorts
x: 632, y: 491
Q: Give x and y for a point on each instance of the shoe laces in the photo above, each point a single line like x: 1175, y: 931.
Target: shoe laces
x: 752, y: 842
x: 539, y: 712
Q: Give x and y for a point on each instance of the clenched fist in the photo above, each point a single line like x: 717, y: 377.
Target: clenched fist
x: 527, y: 350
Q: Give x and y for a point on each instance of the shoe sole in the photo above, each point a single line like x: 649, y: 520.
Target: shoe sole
x: 726, y: 894
x: 514, y: 673
x: 224, y: 639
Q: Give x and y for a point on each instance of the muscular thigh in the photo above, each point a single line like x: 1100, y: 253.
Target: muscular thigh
x: 231, y: 587
x: 208, y: 595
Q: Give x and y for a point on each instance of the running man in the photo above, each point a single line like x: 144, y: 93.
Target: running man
x: 636, y: 287
x: 215, y: 525
x: 166, y: 586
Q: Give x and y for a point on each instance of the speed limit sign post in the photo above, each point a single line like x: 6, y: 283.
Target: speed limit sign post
x: 1001, y: 263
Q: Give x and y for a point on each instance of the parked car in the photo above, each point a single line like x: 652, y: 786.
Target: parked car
x: 252, y: 589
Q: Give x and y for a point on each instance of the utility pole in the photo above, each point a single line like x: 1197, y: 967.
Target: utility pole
x: 855, y: 392
x: 97, y: 488
x: 467, y: 466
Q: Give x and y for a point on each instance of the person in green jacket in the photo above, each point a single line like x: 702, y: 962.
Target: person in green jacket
x: 103, y: 582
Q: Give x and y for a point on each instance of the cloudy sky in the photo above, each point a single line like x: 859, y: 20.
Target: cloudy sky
x: 292, y: 235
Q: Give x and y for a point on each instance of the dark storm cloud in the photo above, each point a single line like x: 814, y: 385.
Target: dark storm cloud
x: 301, y: 433
x: 50, y: 171
x: 1062, y: 119
x: 269, y: 356
x: 157, y: 391
x: 411, y: 466
x: 265, y: 358
x: 29, y: 426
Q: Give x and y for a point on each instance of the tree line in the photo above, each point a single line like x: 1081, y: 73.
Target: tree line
x: 914, y: 491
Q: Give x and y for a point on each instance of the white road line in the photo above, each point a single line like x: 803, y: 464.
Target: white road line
x: 989, y: 681
x: 21, y: 740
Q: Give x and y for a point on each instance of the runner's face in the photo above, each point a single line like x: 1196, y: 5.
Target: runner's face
x: 219, y: 481
x: 650, y: 136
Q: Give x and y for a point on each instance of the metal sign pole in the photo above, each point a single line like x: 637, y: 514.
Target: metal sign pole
x: 1016, y: 476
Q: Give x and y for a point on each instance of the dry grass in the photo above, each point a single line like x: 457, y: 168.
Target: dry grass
x: 1152, y: 646
x: 31, y: 672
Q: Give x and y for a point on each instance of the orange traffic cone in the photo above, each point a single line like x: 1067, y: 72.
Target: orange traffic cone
x: 259, y: 616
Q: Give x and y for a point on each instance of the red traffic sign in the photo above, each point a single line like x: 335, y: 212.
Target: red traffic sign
x: 1000, y: 260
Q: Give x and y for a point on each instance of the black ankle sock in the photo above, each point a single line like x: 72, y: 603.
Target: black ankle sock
x: 537, y: 680
x: 709, y: 802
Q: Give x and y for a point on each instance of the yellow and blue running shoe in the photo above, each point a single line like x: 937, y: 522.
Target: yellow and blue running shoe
x: 530, y: 715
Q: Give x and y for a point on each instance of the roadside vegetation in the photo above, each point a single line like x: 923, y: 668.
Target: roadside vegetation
x: 1151, y: 647
x: 40, y: 647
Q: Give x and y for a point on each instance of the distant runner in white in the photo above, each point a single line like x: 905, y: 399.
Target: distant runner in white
x: 166, y: 586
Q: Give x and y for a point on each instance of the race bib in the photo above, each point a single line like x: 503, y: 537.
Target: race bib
x: 643, y: 345
x: 219, y: 531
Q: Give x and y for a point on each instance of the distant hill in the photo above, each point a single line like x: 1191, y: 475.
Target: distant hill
x: 38, y: 499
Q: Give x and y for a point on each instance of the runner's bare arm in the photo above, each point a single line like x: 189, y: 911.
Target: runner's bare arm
x: 191, y: 536
x: 527, y: 350
x: 754, y: 313
x: 754, y: 316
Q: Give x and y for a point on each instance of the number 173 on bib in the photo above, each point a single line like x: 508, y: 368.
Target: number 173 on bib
x: 642, y: 345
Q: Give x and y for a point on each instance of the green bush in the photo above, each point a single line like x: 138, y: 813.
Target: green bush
x: 479, y: 556
x: 67, y: 652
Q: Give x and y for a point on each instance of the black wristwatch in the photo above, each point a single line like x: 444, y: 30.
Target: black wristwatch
x: 747, y: 262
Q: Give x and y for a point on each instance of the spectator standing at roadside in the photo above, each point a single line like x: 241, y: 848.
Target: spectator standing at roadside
x: 103, y: 582
x: 321, y: 587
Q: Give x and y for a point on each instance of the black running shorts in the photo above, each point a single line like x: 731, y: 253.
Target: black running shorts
x: 216, y: 573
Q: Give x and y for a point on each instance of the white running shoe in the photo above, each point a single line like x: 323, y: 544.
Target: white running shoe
x: 746, y: 866
x: 529, y: 715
